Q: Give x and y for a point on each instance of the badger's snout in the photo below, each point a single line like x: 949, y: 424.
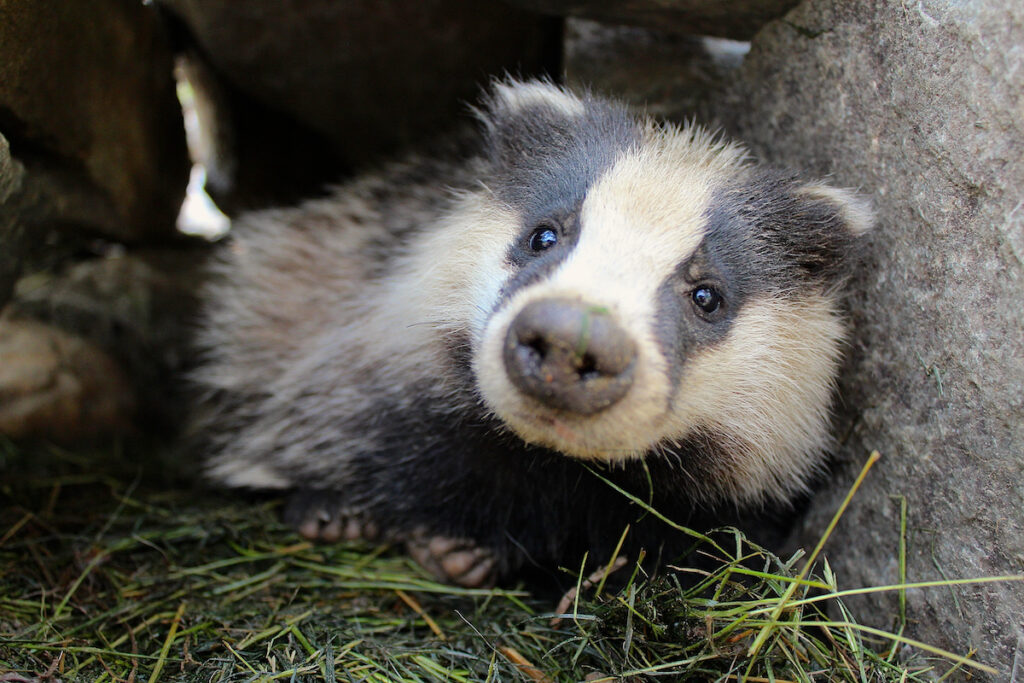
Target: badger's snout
x: 569, y: 355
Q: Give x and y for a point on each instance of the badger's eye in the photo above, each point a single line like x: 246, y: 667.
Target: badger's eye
x: 543, y: 238
x: 706, y: 298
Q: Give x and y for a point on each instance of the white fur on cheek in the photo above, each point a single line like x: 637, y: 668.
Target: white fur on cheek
x: 764, y: 393
x: 457, y: 273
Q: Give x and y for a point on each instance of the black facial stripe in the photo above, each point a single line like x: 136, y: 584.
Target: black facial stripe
x: 544, y: 164
x: 729, y: 260
x: 791, y: 241
x: 760, y: 237
x: 545, y: 158
x: 532, y: 267
x: 679, y: 328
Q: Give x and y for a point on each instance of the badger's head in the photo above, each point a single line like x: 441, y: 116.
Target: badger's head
x: 649, y: 290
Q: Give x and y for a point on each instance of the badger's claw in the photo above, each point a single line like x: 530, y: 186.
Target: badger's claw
x: 318, y: 515
x: 454, y: 560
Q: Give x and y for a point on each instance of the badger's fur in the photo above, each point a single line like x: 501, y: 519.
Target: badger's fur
x: 454, y: 353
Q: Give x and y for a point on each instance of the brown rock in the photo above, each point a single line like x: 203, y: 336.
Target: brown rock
x: 306, y: 90
x: 136, y: 308
x: 57, y: 386
x: 88, y: 106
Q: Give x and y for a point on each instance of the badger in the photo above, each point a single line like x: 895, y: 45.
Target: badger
x: 503, y: 355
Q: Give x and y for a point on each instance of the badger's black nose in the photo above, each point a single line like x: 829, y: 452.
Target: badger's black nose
x: 569, y: 355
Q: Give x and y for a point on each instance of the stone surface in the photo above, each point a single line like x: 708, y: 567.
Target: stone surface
x: 738, y: 19
x: 329, y: 86
x: 136, y: 308
x: 58, y: 386
x: 664, y: 73
x: 921, y: 107
x: 87, y: 104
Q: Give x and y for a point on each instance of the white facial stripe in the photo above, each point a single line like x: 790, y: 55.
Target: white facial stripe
x: 638, y: 223
x: 766, y: 387
x: 643, y: 217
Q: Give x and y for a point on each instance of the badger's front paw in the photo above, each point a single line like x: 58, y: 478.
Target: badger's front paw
x: 320, y: 516
x: 454, y: 560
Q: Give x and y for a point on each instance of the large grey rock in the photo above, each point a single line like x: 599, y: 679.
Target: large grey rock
x: 922, y: 107
x: 738, y: 19
x: 88, y: 106
x: 328, y: 86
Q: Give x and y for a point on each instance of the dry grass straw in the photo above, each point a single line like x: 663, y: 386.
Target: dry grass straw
x: 115, y: 571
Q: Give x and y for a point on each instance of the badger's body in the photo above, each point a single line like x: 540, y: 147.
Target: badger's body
x: 462, y: 354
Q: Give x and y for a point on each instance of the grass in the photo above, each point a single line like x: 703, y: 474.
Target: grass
x: 115, y: 569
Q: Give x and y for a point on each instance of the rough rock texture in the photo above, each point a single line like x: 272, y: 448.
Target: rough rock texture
x: 134, y: 307
x: 342, y: 83
x: 92, y: 117
x: 921, y: 106
x: 58, y: 386
x: 664, y: 73
x: 738, y: 19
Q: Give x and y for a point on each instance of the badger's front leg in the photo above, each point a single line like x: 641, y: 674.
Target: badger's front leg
x: 321, y: 515
x: 455, y: 560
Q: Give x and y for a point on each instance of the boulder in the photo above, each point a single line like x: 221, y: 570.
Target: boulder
x: 12, y: 233
x: 88, y: 108
x: 738, y: 19
x: 58, y: 386
x: 920, y: 107
x: 302, y: 92
x: 134, y: 308
x: 661, y: 72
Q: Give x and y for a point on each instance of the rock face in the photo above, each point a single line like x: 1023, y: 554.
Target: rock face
x: 738, y: 19
x: 334, y: 85
x: 87, y: 105
x: 666, y: 74
x: 58, y: 386
x: 923, y: 109
x: 133, y: 309
x: 91, y: 146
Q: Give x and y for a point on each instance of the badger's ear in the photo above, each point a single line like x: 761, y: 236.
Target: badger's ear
x: 511, y: 98
x: 819, y: 226
x: 853, y: 210
x: 520, y: 117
